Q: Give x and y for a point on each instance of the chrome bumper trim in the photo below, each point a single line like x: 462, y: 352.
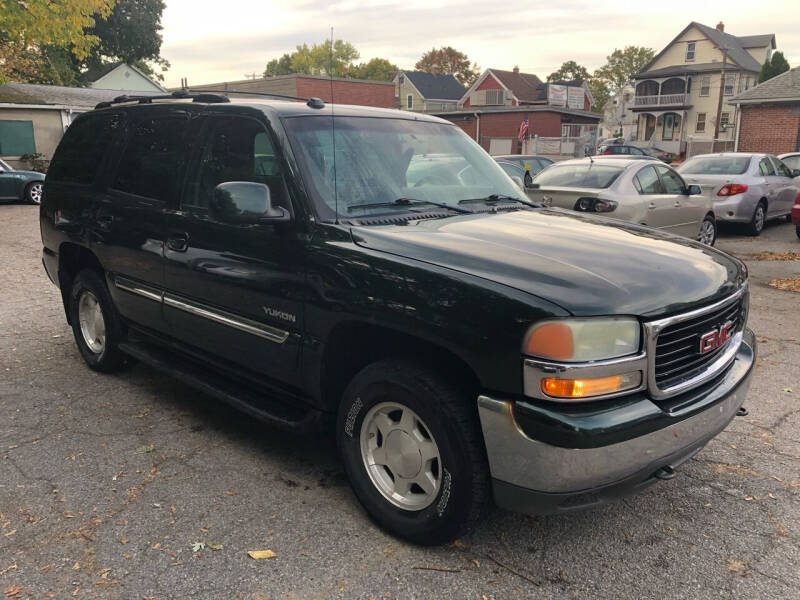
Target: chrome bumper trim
x: 520, y: 460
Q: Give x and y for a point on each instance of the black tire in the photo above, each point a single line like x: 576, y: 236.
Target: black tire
x: 789, y: 218
x: 451, y: 419
x: 33, y: 192
x: 110, y: 358
x: 797, y: 231
x: 756, y: 225
x: 712, y: 232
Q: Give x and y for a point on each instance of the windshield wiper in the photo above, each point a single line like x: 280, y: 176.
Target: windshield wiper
x: 495, y: 198
x: 409, y: 202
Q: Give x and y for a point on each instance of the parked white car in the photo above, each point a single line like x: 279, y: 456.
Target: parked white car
x: 747, y: 188
x: 641, y: 190
x: 791, y: 160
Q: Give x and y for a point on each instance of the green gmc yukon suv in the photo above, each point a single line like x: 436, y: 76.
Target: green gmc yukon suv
x: 376, y: 272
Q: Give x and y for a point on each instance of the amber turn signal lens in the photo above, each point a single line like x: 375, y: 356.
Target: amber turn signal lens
x: 551, y: 340
x: 586, y: 388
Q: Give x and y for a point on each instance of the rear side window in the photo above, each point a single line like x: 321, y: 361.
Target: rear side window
x: 83, y: 147
x: 646, y: 181
x: 150, y: 165
x: 765, y: 167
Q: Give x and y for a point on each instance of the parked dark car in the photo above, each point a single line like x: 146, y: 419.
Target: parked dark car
x: 16, y: 185
x: 529, y: 163
x: 460, y: 340
x: 627, y: 150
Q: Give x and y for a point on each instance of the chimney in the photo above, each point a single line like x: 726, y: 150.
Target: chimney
x: 721, y: 26
x: 516, y: 69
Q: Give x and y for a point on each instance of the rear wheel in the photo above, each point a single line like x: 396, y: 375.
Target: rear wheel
x: 413, y: 451
x: 708, y: 231
x: 96, y: 325
x: 756, y: 224
x: 33, y: 192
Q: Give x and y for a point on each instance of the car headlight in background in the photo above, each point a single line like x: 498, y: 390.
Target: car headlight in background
x: 582, y: 340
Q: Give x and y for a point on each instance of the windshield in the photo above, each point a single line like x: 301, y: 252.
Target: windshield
x: 578, y: 176
x: 715, y: 165
x: 5, y: 166
x: 382, y: 160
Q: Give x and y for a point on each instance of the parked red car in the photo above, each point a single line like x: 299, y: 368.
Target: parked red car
x: 796, y: 214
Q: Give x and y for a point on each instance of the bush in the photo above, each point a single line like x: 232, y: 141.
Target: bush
x: 36, y: 162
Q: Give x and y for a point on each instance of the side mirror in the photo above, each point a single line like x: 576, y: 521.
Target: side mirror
x: 693, y: 190
x: 245, y: 203
x: 518, y: 180
x: 796, y: 173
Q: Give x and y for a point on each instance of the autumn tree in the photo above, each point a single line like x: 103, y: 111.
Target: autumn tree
x: 28, y: 28
x: 569, y: 71
x: 449, y: 60
x: 773, y: 66
x: 620, y: 67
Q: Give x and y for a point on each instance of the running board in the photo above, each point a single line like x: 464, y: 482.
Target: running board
x: 249, y: 401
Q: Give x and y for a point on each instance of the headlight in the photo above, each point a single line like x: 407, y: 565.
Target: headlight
x: 583, y: 340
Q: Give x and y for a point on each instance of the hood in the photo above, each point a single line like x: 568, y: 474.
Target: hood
x: 585, y: 264
x: 28, y: 174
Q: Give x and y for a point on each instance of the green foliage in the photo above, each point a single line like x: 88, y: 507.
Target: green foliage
x: 449, y: 60
x: 569, y: 71
x: 600, y: 92
x: 279, y: 66
x: 36, y: 161
x: 620, y: 67
x: 376, y: 69
x: 774, y: 66
x: 322, y: 59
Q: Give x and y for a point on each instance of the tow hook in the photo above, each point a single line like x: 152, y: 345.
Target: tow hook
x: 742, y: 412
x: 664, y: 473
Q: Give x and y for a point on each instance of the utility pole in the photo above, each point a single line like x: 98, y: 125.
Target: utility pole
x: 721, y: 92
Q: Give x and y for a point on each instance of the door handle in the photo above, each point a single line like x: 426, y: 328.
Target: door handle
x: 652, y: 206
x: 677, y: 204
x: 178, y: 241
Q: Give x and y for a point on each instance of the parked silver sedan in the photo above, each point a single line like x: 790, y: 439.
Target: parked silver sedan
x: 747, y: 188
x: 641, y: 190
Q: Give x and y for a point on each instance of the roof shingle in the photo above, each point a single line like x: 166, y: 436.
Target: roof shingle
x: 783, y: 87
x: 436, y: 86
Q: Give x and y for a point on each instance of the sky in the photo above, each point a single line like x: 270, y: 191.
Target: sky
x: 212, y: 42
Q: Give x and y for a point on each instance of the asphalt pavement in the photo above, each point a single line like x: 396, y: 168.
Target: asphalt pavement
x: 135, y: 486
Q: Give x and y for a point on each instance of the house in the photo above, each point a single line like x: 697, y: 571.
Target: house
x: 498, y: 88
x: 678, y: 92
x: 122, y: 76
x: 345, y: 90
x: 33, y: 117
x: 769, y: 115
x: 619, y: 120
x: 427, y: 92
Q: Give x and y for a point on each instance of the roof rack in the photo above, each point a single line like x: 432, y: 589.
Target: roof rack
x: 179, y: 95
x: 312, y: 102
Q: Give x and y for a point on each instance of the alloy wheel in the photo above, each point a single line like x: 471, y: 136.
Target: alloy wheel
x: 35, y: 193
x: 400, y: 456
x: 707, y: 232
x: 93, y: 325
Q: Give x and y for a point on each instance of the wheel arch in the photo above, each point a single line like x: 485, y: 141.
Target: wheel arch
x: 73, y: 258
x: 352, y: 345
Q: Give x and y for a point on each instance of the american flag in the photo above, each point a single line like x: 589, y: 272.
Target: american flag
x: 523, y: 128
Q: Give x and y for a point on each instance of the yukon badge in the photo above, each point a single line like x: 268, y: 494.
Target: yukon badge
x: 716, y: 338
x: 279, y: 314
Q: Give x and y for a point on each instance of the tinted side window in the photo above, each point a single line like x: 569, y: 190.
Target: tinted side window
x: 765, y: 167
x: 236, y: 149
x: 648, y: 182
x: 149, y: 166
x: 673, y: 184
x: 83, y: 147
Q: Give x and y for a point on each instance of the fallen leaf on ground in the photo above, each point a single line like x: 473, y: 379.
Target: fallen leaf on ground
x: 261, y: 554
x: 197, y: 546
x: 791, y: 284
x: 123, y: 541
x: 736, y: 566
x: 214, y: 547
x: 145, y: 449
x: 13, y: 591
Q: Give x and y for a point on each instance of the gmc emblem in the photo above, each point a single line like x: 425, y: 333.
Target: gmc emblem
x: 716, y: 338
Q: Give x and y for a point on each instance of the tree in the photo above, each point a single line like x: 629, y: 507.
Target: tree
x: 376, y: 69
x: 28, y: 27
x: 279, y: 66
x: 131, y: 34
x: 449, y: 60
x: 570, y: 71
x: 324, y: 59
x: 600, y: 92
x: 620, y: 67
x: 774, y: 66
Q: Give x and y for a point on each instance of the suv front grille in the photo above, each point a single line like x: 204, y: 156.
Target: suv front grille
x: 678, y: 357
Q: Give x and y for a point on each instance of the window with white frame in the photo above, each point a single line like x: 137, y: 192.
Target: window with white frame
x: 730, y: 82
x: 724, y: 121
x: 700, y: 126
x: 409, y: 102
x: 690, y: 47
x: 705, y: 85
x: 495, y: 96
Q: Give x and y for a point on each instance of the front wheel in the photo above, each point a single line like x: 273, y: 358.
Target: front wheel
x: 33, y: 192
x: 708, y: 231
x: 413, y: 452
x: 756, y: 224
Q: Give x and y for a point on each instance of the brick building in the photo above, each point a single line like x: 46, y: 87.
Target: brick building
x: 345, y: 91
x: 769, y: 115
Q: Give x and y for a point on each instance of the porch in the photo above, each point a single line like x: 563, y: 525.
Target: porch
x: 664, y: 92
x: 663, y: 129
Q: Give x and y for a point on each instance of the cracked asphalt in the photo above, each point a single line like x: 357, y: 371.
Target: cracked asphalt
x: 109, y: 483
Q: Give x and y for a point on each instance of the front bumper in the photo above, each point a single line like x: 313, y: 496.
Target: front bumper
x: 592, y: 456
